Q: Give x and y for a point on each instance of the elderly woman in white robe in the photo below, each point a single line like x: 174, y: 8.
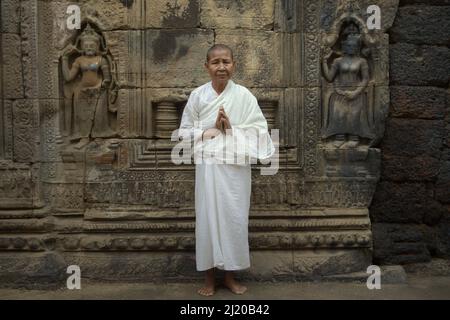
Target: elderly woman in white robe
x: 219, y: 117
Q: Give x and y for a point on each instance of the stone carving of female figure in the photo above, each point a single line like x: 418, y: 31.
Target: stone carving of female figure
x: 347, y: 116
x: 93, y: 96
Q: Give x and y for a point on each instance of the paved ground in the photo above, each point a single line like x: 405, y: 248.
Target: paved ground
x: 417, y: 287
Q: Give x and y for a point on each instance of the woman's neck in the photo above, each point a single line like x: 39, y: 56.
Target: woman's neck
x: 219, y: 87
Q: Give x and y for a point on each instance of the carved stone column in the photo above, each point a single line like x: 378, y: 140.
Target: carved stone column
x: 270, y: 111
x: 166, y: 120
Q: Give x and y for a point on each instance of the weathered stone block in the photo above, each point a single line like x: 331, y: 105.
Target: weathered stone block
x: 446, y: 155
x: 230, y: 14
x: 156, y: 266
x: 437, y: 267
x: 319, y: 263
x: 401, y: 202
x: 132, y: 14
x: 434, y: 213
x: 443, y: 183
x: 422, y: 25
x: 141, y: 14
x: 418, y: 102
x: 428, y: 2
x: 399, y: 244
x: 443, y: 239
x: 419, y: 65
x: 393, y: 274
x: 32, y: 271
x: 409, y: 138
x: 161, y: 58
x: 447, y: 140
x: 279, y: 266
x: 174, y: 13
x: 257, y: 54
x: 419, y: 168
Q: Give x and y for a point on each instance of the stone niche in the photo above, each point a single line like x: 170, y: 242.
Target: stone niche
x: 86, y: 167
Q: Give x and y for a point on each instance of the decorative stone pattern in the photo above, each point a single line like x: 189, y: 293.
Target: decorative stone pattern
x: 21, y: 244
x: 222, y: 13
x: 26, y: 125
x: 12, y: 77
x: 6, y: 131
x: 16, y: 189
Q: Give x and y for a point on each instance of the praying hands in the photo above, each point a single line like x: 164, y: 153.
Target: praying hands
x: 222, y: 121
x: 222, y: 125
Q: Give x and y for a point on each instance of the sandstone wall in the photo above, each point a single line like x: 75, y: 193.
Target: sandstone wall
x: 411, y: 208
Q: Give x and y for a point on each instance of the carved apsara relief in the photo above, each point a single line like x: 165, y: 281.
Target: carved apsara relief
x: 90, y: 88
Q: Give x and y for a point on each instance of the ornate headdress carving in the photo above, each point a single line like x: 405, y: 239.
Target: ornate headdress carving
x: 90, y: 34
x: 349, y: 6
x: 351, y: 29
x: 351, y: 34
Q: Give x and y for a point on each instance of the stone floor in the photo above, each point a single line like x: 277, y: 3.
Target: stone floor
x: 416, y: 287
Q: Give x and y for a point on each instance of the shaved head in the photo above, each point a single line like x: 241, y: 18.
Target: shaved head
x: 218, y: 47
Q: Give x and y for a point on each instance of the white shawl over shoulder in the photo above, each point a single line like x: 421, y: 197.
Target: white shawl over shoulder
x: 249, y: 138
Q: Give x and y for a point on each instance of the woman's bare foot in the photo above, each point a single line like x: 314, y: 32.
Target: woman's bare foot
x: 209, y: 288
x: 233, y: 285
x: 206, y: 291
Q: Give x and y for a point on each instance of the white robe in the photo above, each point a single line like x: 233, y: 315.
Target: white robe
x: 222, y: 191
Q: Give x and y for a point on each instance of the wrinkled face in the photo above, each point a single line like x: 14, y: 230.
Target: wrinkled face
x: 89, y: 47
x: 220, y: 66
